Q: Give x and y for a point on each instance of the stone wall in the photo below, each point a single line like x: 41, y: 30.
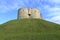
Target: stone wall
x: 29, y: 13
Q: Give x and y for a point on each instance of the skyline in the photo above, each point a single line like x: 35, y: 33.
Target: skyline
x: 50, y: 9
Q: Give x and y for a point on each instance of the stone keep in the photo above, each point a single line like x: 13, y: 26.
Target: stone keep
x: 29, y: 13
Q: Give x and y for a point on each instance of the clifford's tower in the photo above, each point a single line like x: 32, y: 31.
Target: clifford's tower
x: 29, y: 13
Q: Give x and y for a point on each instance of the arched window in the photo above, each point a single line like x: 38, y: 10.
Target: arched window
x: 29, y: 14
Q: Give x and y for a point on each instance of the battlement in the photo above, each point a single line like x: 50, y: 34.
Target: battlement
x: 29, y: 13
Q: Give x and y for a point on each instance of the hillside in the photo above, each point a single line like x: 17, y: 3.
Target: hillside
x: 29, y: 29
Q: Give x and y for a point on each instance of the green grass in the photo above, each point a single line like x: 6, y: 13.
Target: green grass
x: 29, y: 29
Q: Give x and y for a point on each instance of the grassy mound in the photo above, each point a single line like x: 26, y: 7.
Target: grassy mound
x: 29, y: 29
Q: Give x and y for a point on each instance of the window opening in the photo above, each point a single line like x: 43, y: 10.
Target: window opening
x: 29, y: 14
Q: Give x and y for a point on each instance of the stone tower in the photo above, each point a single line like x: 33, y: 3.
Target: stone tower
x: 29, y: 13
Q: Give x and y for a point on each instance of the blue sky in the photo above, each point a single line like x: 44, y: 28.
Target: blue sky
x: 50, y: 9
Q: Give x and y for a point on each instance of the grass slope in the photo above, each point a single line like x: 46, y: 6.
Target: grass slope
x: 29, y: 29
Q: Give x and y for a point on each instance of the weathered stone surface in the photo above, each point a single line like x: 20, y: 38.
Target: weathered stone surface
x: 29, y: 13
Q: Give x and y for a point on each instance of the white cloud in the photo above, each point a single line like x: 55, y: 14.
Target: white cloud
x: 53, y: 14
x: 3, y: 9
x: 15, y: 4
x: 6, y: 5
x: 55, y: 19
x: 54, y: 1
